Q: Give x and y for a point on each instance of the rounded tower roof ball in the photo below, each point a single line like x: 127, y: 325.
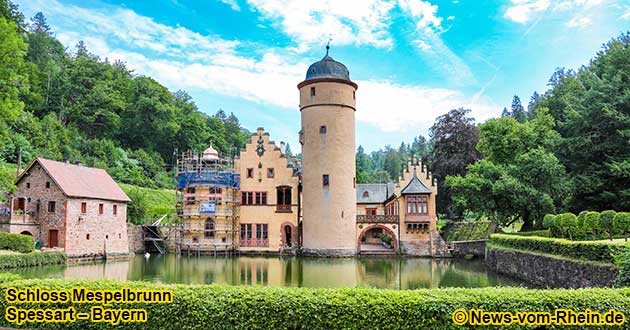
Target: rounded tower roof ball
x: 327, y: 67
x: 210, y: 154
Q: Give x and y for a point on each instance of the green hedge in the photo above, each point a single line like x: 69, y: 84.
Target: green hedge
x: 539, y: 233
x: 31, y: 259
x: 588, y: 225
x: 16, y: 242
x: 601, y: 251
x: 255, y: 307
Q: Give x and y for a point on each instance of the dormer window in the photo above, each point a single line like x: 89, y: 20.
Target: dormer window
x: 366, y: 194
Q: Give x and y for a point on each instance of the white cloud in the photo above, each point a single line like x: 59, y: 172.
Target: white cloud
x: 434, y: 50
x: 424, y: 12
x: 232, y: 3
x: 311, y: 22
x: 625, y: 16
x: 392, y: 107
x: 215, y: 65
x: 579, y: 22
x: 522, y: 10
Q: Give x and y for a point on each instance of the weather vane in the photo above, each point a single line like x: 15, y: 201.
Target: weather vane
x: 328, y: 43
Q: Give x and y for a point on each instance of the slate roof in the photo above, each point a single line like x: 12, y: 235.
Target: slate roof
x: 377, y: 192
x: 415, y: 186
x: 327, y: 67
x: 81, y: 181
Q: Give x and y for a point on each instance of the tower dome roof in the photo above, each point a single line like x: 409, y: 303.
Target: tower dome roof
x: 327, y: 67
x: 210, y: 154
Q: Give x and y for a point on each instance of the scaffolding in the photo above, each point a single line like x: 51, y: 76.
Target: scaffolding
x: 207, y: 204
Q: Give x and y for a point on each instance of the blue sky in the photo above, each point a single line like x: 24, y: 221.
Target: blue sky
x: 413, y: 60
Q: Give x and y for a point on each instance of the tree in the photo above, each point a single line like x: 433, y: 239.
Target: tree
x: 621, y: 223
x: 363, y: 165
x: 517, y: 110
x: 14, y: 81
x: 592, y: 112
x: 39, y: 24
x: 454, y: 138
x: 606, y: 222
x: 10, y: 12
x: 591, y: 223
x: 520, y: 179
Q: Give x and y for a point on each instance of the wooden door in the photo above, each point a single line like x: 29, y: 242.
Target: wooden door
x: 53, y: 239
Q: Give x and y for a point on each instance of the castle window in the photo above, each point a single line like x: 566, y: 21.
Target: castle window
x: 247, y: 198
x: 322, y: 129
x: 28, y: 185
x: 261, y: 198
x: 87, y: 237
x: 101, y: 208
x: 325, y: 180
x: 417, y: 205
x: 47, y: 184
x: 370, y: 211
x: 312, y: 91
x: 270, y: 173
x: 354, y: 95
x: 84, y: 207
x: 115, y: 209
x: 209, y: 232
x: 262, y: 231
x: 52, y: 206
x: 190, y: 190
x: 283, y: 198
x: 250, y: 172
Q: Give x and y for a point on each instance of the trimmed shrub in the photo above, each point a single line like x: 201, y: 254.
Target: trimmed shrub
x: 623, y: 279
x: 621, y: 223
x: 607, y: 252
x: 16, y: 242
x: 31, y: 259
x: 591, y: 223
x: 256, y: 307
x: 548, y: 221
x: 568, y: 224
x: 606, y: 222
x: 580, y: 218
x: 539, y: 233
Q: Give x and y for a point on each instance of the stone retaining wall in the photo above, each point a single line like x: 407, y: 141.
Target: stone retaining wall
x: 546, y: 271
x: 463, y: 248
x: 136, y: 239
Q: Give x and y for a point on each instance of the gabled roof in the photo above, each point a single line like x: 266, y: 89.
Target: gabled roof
x: 415, y: 186
x: 80, y: 181
x: 377, y: 193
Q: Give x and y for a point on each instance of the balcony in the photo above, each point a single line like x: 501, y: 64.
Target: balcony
x: 283, y: 208
x: 377, y: 218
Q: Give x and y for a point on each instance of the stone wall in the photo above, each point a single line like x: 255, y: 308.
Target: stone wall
x: 545, y: 271
x: 463, y: 248
x: 136, y: 239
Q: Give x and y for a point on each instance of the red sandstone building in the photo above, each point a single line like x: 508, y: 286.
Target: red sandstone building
x: 70, y: 206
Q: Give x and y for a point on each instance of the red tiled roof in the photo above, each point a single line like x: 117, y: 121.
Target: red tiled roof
x: 81, y: 181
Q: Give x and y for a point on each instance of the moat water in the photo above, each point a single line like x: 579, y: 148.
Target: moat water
x: 392, y: 273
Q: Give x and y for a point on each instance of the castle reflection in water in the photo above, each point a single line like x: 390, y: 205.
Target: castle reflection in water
x: 392, y: 273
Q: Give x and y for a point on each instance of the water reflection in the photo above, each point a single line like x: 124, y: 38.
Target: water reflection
x: 393, y: 273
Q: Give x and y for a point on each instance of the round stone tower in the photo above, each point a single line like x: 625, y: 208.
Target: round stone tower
x: 327, y: 105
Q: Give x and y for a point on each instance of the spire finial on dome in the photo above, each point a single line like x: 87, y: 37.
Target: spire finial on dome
x: 328, y: 44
